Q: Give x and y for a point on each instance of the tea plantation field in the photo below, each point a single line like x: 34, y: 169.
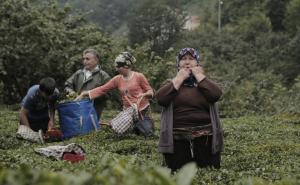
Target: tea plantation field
x: 258, y: 150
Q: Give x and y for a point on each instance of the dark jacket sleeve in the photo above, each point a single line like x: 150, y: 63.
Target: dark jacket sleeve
x: 69, y: 84
x: 106, y: 78
x: 210, y: 90
x: 166, y: 94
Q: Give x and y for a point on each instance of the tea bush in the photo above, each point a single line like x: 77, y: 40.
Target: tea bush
x: 258, y: 150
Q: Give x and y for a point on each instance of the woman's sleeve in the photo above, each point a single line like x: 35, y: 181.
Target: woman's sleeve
x: 166, y: 94
x: 101, y: 90
x: 144, y: 83
x: 210, y: 90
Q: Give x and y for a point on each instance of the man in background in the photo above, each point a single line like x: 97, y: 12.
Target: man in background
x: 88, y: 78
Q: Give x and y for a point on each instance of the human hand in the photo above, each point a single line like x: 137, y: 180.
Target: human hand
x: 50, y: 128
x: 71, y: 92
x: 198, y: 72
x: 140, y: 96
x: 83, y: 94
x: 183, y: 74
x: 50, y: 125
x: 71, y: 95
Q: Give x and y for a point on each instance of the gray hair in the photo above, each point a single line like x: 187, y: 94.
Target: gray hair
x: 94, y: 52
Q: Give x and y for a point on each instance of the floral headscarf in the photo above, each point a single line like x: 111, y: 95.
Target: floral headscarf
x: 191, y: 81
x: 124, y: 59
x: 193, y: 52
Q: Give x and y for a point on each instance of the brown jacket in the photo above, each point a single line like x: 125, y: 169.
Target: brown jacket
x: 192, y: 106
x: 165, y: 144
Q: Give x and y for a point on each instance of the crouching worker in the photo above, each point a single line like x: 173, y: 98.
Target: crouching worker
x: 38, y: 110
x: 134, y: 88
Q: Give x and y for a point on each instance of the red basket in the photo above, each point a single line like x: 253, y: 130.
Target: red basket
x: 73, y: 158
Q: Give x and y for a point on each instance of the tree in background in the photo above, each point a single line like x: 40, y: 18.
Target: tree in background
x: 157, y: 23
x: 257, y: 65
x: 42, y: 40
x: 276, y: 10
x: 255, y: 56
x: 110, y: 15
x: 291, y: 67
x: 233, y: 10
x: 292, y: 19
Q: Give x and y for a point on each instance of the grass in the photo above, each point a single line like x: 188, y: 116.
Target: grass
x: 258, y: 150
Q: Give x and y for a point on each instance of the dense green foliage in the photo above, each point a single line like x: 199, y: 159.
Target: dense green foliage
x: 257, y: 65
x: 112, y: 15
x: 156, y: 23
x: 258, y: 150
x: 108, y: 14
x: 42, y: 40
x: 255, y: 57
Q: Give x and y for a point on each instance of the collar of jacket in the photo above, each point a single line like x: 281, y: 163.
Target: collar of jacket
x: 95, y: 70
